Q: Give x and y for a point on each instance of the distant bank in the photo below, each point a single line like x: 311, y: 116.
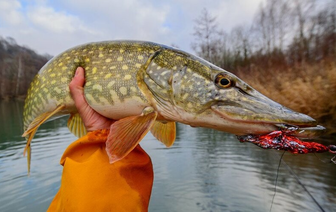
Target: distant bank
x: 18, y: 66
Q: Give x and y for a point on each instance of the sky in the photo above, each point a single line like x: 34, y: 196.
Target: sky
x: 51, y: 27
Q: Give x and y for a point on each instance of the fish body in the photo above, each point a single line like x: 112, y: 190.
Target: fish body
x: 153, y: 86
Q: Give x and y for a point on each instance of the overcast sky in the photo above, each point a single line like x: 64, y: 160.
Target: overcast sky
x: 53, y: 26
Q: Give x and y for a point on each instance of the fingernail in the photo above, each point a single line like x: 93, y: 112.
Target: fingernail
x: 77, y: 71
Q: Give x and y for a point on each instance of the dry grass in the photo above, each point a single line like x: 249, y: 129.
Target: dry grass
x: 309, y: 89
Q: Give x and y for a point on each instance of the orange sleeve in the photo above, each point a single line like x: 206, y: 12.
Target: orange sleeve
x: 91, y: 183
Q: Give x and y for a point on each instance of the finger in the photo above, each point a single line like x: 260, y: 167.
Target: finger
x: 76, y: 86
x: 77, y: 91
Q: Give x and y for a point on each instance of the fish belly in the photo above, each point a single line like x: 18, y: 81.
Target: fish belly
x: 129, y: 107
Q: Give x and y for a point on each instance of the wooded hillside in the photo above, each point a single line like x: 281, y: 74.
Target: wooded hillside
x: 18, y: 66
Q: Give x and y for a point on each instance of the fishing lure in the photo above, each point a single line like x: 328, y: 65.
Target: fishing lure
x: 284, y: 140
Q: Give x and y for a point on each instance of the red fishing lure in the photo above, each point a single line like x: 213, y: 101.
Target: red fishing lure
x: 283, y: 140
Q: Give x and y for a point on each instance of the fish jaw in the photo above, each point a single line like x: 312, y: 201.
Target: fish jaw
x: 246, y: 104
x: 216, y: 118
x: 253, y: 110
x: 301, y: 125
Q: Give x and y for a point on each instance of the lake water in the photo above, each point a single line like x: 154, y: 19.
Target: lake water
x: 205, y: 170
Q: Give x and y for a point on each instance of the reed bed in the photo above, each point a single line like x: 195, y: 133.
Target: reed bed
x: 309, y: 89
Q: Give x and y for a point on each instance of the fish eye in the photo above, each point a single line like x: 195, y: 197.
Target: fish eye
x: 223, y: 81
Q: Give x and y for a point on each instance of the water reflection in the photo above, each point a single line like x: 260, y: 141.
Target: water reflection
x: 10, y: 122
x: 205, y: 170
x: 19, y: 192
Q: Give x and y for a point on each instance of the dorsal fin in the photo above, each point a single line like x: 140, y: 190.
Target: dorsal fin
x: 164, y: 132
x: 76, y: 125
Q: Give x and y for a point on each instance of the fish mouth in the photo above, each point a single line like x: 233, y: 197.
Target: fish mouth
x: 262, y: 111
x: 303, y: 131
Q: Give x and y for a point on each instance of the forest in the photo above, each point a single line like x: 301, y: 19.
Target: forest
x: 18, y: 66
x: 288, y: 53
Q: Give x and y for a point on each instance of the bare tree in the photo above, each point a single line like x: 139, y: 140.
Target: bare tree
x: 206, y: 34
x: 271, y: 25
x: 301, y: 13
x: 240, y: 43
x: 18, y: 76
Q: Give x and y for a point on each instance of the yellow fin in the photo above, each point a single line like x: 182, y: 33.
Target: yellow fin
x: 125, y: 134
x: 164, y: 132
x: 32, y: 128
x: 41, y: 119
x: 28, y: 149
x: 30, y: 137
x: 76, y: 125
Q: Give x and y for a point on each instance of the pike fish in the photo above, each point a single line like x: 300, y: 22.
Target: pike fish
x: 146, y: 86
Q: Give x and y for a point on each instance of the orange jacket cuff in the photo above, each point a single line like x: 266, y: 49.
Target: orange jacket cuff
x: 91, y: 183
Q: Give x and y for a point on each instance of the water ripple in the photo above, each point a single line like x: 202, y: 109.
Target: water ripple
x: 205, y: 170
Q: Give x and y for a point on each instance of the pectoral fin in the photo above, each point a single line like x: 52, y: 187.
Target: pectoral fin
x: 125, y: 135
x: 76, y: 125
x: 164, y: 132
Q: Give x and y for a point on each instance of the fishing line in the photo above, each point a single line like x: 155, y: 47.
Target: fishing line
x: 332, y: 160
x: 276, y: 180
x: 303, y: 186
x: 319, y: 158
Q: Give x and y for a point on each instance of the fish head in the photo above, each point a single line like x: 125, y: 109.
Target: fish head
x: 233, y: 100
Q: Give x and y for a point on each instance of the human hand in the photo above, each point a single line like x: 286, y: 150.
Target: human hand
x: 91, y: 119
